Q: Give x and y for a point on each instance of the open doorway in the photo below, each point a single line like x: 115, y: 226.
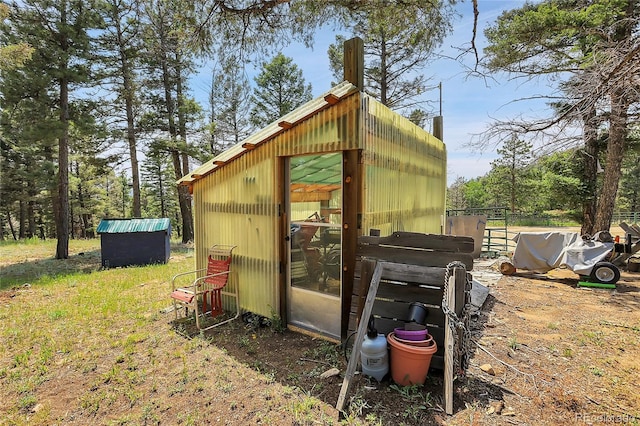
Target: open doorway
x: 315, y: 255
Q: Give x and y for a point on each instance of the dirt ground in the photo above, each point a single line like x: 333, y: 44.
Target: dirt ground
x: 544, y: 352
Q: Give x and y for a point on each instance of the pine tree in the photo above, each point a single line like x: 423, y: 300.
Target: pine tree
x: 121, y: 46
x: 169, y: 64
x: 398, y: 46
x: 508, y: 172
x: 230, y: 105
x: 59, y: 33
x: 280, y: 89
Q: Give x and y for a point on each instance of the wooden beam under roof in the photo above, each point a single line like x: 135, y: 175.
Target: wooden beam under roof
x: 285, y: 125
x: 309, y: 197
x: 219, y: 162
x: 314, y: 187
x: 248, y: 146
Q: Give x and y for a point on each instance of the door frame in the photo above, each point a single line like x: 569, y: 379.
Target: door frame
x: 352, y: 202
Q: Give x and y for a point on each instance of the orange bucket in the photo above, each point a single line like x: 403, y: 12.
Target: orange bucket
x: 409, y: 363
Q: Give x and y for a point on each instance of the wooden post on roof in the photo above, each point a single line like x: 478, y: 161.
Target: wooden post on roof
x: 437, y: 127
x: 354, y: 62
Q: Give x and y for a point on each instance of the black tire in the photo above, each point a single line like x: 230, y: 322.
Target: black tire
x: 605, y: 272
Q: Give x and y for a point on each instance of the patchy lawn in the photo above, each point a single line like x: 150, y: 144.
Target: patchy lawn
x: 85, y: 346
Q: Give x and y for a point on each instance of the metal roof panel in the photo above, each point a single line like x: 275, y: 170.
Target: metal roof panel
x: 123, y: 226
x: 302, y: 112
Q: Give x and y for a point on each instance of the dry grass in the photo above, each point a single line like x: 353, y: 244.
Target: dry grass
x: 88, y: 346
x: 82, y: 345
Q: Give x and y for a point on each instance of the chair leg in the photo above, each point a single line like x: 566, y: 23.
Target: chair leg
x: 216, y: 303
x: 204, y: 303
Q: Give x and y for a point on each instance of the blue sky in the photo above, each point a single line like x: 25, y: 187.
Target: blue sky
x: 468, y: 103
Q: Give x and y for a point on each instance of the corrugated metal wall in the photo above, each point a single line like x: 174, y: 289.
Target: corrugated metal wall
x: 405, y: 173
x: 237, y: 204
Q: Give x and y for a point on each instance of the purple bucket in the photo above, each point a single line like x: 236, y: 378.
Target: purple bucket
x: 411, y: 334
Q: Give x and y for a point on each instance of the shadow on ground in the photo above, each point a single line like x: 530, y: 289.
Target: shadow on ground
x: 19, y: 274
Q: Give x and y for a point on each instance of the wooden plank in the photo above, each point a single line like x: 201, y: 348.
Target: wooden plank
x: 415, y: 257
x: 351, y: 187
x: 448, y: 349
x: 630, y: 229
x: 425, y: 275
x: 284, y: 237
x: 432, y: 300
x: 331, y: 99
x: 409, y: 293
x: 357, y: 345
x: 433, y: 276
x: 400, y: 312
x: 447, y: 243
x: 308, y: 197
x: 368, y: 266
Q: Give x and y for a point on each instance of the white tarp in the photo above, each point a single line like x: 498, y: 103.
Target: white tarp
x: 544, y: 251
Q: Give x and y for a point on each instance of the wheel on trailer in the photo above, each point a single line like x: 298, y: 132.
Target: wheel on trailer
x: 605, y: 272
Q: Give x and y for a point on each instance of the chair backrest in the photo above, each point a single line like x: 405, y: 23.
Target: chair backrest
x: 218, y: 266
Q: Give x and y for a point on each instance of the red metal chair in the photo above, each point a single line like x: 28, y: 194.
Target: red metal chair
x: 206, y: 290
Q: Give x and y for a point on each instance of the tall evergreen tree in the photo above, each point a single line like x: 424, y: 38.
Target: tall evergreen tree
x: 591, y: 48
x: 280, y: 88
x: 169, y: 64
x: 160, y: 192
x: 398, y: 46
x: 230, y: 106
x: 509, y: 172
x: 121, y: 46
x: 59, y: 33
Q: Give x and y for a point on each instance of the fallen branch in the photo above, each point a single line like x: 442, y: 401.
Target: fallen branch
x: 533, y: 378
x: 607, y: 407
x: 507, y: 390
x: 316, y: 361
x: 610, y: 324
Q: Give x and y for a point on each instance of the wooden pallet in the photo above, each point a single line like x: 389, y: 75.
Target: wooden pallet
x: 392, y: 272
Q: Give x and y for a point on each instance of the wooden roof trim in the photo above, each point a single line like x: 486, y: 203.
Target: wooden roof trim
x: 332, y: 99
x: 345, y: 90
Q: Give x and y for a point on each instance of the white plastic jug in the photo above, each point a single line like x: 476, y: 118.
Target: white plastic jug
x: 374, y: 356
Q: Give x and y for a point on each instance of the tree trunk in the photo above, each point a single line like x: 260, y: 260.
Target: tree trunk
x: 183, y: 192
x: 163, y: 209
x: 589, y: 174
x: 613, y: 168
x: 13, y: 231
x: 31, y: 215
x: 22, y: 216
x: 383, y: 71
x: 131, y: 132
x: 62, y: 210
